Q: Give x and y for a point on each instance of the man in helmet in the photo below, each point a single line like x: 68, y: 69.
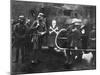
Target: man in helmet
x: 74, y: 37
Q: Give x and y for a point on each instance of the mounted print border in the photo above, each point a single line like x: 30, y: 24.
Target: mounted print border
x: 52, y: 37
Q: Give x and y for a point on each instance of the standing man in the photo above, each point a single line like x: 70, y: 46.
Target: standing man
x: 74, y: 38
x: 41, y: 29
x: 39, y: 33
x: 76, y: 33
x: 92, y: 38
x: 19, y: 41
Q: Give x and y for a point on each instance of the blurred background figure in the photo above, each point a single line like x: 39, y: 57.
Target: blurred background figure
x: 92, y: 38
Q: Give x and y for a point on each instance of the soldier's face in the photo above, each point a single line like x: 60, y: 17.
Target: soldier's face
x: 40, y: 18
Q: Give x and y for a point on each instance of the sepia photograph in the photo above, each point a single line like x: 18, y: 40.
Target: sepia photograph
x: 52, y: 37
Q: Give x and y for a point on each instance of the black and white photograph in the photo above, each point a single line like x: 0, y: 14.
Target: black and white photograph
x: 52, y: 37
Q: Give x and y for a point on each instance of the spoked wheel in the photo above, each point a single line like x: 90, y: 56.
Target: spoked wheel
x: 61, y: 39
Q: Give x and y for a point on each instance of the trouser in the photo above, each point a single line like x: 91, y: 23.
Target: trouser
x: 18, y: 57
x: 84, y: 42
x: 67, y: 56
x: 40, y: 41
x: 76, y: 56
x: 19, y: 45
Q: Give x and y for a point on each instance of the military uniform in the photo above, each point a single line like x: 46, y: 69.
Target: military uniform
x: 19, y: 41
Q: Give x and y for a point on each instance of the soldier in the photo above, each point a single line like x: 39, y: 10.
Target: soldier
x: 19, y: 41
x: 92, y: 38
x: 39, y: 30
x: 74, y: 38
x: 75, y: 35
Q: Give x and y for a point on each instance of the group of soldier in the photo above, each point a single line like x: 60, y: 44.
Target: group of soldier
x: 24, y: 34
x: 27, y: 36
